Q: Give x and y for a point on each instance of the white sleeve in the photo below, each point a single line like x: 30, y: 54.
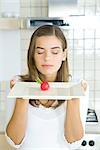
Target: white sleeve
x: 12, y: 143
x: 75, y: 145
x: 83, y: 113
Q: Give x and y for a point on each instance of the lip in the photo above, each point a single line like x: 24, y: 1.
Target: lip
x: 47, y: 65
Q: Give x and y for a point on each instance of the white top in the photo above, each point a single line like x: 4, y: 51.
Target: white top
x: 45, y: 129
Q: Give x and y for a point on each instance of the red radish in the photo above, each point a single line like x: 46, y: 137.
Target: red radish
x: 44, y: 85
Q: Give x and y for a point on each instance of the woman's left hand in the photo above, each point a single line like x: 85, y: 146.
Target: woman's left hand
x: 84, y: 86
x: 85, y: 89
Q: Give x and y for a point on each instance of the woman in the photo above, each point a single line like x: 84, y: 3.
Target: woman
x: 43, y: 124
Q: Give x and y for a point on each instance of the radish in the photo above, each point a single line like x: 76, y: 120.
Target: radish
x: 44, y: 85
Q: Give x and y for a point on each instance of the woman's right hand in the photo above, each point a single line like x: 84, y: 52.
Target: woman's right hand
x: 12, y: 83
x: 14, y: 80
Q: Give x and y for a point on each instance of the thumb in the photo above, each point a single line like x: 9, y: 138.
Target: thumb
x: 12, y: 83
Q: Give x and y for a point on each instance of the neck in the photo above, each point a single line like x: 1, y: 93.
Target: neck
x: 49, y: 78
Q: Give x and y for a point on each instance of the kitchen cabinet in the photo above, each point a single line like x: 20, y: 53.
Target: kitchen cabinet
x: 10, y: 23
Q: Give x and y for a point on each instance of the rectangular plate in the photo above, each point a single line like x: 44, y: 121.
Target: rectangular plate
x: 57, y: 90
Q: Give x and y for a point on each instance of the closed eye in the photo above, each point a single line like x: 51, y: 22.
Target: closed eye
x: 55, y: 51
x: 39, y: 50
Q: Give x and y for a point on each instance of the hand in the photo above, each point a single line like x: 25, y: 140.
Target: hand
x: 85, y: 86
x: 12, y: 83
x: 85, y: 89
x: 14, y: 80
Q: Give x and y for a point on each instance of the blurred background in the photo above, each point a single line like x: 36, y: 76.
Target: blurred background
x: 80, y: 21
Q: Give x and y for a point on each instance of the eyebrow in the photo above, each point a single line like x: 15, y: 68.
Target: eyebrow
x: 51, y: 47
x: 55, y: 47
x: 39, y: 47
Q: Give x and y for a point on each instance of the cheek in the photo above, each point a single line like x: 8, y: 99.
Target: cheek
x: 37, y: 62
x: 58, y: 63
x: 58, y: 60
x: 37, y: 59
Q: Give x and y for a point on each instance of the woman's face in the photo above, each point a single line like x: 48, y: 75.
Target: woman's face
x: 49, y: 56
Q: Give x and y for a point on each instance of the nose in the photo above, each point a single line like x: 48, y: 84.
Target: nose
x: 47, y: 55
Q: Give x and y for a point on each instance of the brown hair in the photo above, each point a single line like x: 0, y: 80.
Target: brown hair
x: 33, y: 73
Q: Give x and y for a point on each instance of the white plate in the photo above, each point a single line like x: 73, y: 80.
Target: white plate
x: 57, y: 90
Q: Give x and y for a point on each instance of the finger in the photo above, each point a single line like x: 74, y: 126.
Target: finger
x: 84, y: 85
x: 12, y: 83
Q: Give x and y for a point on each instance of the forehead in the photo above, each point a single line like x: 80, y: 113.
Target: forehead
x: 48, y: 41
